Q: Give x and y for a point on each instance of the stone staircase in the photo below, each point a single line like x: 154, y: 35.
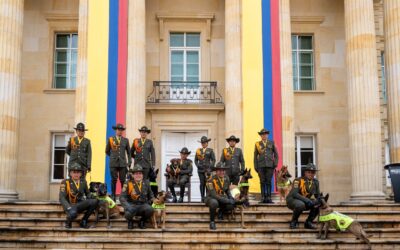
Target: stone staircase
x: 40, y: 225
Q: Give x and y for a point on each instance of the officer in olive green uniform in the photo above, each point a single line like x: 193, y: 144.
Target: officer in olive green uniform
x: 118, y: 150
x: 204, y: 160
x: 136, y: 197
x: 184, y: 170
x: 75, y: 197
x: 80, y: 150
x: 233, y: 159
x: 143, y: 152
x: 304, y: 196
x: 219, y: 194
x: 265, y: 162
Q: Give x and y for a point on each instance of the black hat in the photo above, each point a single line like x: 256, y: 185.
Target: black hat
x: 136, y: 168
x: 80, y: 126
x: 185, y: 151
x: 75, y: 166
x: 233, y: 138
x: 220, y: 165
x: 145, y: 129
x: 263, y: 131
x: 310, y: 167
x: 119, y: 126
x: 204, y: 139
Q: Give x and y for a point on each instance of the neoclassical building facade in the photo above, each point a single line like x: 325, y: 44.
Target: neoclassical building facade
x: 322, y: 75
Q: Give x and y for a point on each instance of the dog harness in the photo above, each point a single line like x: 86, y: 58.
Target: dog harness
x: 342, y: 221
x: 111, y: 203
x: 158, y: 206
x: 244, y: 184
x: 284, y: 184
x: 153, y: 183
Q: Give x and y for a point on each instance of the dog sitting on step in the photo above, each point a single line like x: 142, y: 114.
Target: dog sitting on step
x: 332, y: 219
x: 160, y: 213
x: 106, y: 206
x: 240, y: 194
x: 283, y: 183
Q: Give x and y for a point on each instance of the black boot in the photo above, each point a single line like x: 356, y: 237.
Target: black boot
x: 309, y: 225
x: 180, y: 199
x: 262, y: 193
x: 84, y: 223
x: 130, y: 224
x: 220, y: 214
x: 172, y: 190
x: 142, y: 224
x: 295, y: 219
x: 269, y: 199
x: 181, y: 194
x: 212, y: 225
x: 202, y: 192
x: 68, y: 224
x: 113, y: 188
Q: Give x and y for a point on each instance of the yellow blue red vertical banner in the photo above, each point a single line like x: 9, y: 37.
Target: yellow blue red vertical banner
x: 107, y: 66
x: 261, y: 76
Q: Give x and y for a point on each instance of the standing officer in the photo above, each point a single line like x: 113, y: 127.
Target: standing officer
x: 265, y: 162
x: 219, y: 194
x: 136, y: 197
x: 204, y: 160
x: 233, y: 159
x: 80, y: 150
x: 143, y: 152
x: 304, y: 196
x: 183, y: 171
x: 75, y: 196
x: 118, y: 150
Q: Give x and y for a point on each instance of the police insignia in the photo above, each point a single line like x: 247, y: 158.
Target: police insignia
x: 210, y: 186
x: 296, y: 184
x: 124, y: 188
x: 62, y: 187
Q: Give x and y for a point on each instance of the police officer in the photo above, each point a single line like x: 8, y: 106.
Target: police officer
x: 118, y: 150
x: 304, y: 196
x: 265, y: 162
x: 136, y: 197
x: 219, y: 194
x: 80, y: 150
x: 143, y: 152
x: 233, y: 159
x: 183, y: 171
x: 204, y: 160
x: 75, y: 196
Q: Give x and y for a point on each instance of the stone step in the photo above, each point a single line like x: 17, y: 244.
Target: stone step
x: 178, y: 243
x: 273, y: 222
x: 194, y: 233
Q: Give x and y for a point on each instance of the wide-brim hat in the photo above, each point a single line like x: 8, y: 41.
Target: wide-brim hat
x: 204, y: 139
x: 75, y: 167
x: 263, y: 131
x: 119, y: 126
x: 144, y: 129
x: 80, y: 126
x: 220, y: 166
x: 233, y: 138
x: 185, y: 151
x: 310, y: 167
x: 136, y: 168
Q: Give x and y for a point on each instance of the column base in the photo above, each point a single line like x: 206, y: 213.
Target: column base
x: 372, y: 197
x: 8, y: 196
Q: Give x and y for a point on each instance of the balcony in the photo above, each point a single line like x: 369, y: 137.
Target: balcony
x: 184, y: 92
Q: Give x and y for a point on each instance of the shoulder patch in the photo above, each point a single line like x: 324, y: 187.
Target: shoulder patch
x: 296, y: 184
x: 62, y: 187
x: 124, y: 188
x: 210, y: 186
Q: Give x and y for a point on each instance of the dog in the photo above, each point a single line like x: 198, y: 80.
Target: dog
x: 153, y: 181
x: 93, y: 187
x: 106, y: 206
x: 241, y: 195
x: 331, y: 219
x: 283, y: 183
x: 159, y: 214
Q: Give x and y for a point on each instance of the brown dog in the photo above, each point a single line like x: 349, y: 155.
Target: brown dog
x: 331, y: 219
x: 283, y: 183
x: 106, y: 206
x: 240, y: 194
x: 160, y: 213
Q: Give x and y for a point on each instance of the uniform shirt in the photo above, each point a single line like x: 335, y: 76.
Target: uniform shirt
x: 304, y: 189
x: 204, y: 159
x: 118, y: 150
x: 72, y: 193
x: 218, y: 188
x: 265, y: 155
x: 79, y: 151
x: 186, y: 167
x: 233, y: 159
x: 143, y: 152
x: 136, y: 193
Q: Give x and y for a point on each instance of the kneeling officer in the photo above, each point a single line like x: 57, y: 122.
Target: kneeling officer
x: 136, y: 198
x: 75, y: 196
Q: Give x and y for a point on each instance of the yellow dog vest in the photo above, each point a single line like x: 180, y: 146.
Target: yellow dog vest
x: 342, y: 221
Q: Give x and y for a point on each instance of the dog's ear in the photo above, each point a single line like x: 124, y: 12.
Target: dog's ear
x: 326, y: 197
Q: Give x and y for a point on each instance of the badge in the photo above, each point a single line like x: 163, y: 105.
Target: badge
x: 124, y: 188
x: 296, y: 184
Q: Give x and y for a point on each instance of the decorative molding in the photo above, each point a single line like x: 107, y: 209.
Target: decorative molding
x: 307, y: 19
x: 59, y: 91
x: 194, y: 106
x: 316, y: 92
x: 60, y: 17
x: 196, y: 17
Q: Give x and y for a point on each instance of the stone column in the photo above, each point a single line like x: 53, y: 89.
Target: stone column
x: 81, y: 78
x: 11, y: 21
x: 233, y: 70
x: 288, y: 135
x: 136, y: 78
x: 392, y: 70
x: 363, y: 99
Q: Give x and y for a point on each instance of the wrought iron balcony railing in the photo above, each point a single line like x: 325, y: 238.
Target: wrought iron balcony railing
x: 184, y: 92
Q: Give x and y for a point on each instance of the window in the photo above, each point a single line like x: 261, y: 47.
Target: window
x: 305, y: 152
x: 383, y: 72
x: 303, y: 62
x: 59, y: 158
x: 65, y: 58
x: 185, y: 58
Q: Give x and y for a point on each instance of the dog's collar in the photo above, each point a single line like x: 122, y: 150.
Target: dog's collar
x: 244, y: 184
x: 153, y: 183
x: 158, y: 206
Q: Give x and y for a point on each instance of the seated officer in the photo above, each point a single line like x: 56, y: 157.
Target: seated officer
x: 72, y: 196
x: 136, y: 197
x: 304, y: 196
x: 218, y: 194
x: 179, y: 172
